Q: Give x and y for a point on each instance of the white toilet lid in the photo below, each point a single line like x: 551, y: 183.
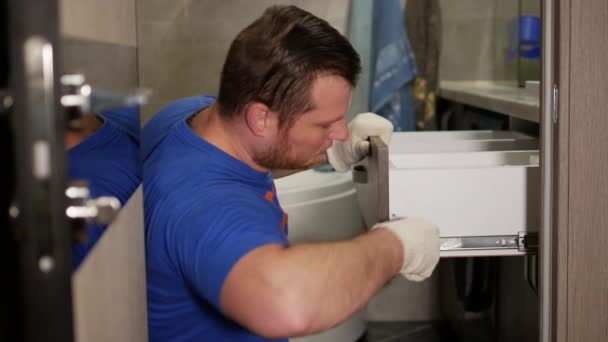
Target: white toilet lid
x: 311, y: 184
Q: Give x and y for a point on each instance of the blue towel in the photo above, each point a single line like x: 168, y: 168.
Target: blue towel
x: 393, y: 66
x: 360, y: 36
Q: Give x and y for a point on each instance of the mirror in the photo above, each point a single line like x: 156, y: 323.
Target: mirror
x: 99, y: 64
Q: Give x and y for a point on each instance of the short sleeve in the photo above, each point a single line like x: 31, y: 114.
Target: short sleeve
x: 214, y: 241
x: 160, y: 125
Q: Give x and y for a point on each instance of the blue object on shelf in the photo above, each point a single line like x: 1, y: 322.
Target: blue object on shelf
x: 529, y: 29
x: 524, y: 37
x: 529, y: 36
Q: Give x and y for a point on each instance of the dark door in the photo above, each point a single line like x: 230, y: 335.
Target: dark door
x: 35, y: 237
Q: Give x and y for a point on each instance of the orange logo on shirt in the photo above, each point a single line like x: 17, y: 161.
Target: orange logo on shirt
x: 269, y: 197
x: 284, y: 221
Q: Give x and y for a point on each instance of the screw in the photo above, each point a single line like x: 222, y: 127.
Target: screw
x: 7, y: 102
x: 46, y: 264
x: 13, y: 211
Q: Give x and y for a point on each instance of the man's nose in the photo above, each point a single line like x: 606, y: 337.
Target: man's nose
x: 339, y: 131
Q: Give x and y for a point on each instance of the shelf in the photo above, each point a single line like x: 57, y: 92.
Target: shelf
x: 501, y: 97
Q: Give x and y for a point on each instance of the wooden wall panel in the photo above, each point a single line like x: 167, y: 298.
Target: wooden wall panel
x: 562, y: 147
x: 588, y: 172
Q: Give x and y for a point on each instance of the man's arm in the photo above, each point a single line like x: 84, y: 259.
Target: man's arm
x: 283, y: 292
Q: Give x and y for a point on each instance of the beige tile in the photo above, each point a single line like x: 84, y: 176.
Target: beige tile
x: 474, y: 40
x: 117, y: 74
x: 182, y: 45
x: 110, y: 21
x: 531, y: 7
x: 466, y: 51
x: 467, y: 9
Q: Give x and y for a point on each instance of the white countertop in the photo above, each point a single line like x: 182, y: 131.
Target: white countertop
x: 498, y: 96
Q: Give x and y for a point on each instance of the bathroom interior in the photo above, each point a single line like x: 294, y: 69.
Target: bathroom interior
x: 475, y: 73
x: 469, y: 60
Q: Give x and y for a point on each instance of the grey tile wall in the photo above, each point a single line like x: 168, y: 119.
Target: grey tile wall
x: 107, y: 66
x: 474, y: 38
x: 99, y: 41
x: 182, y: 44
x: 111, y: 21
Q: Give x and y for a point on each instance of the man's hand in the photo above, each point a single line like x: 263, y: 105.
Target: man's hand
x: 420, y: 240
x: 342, y: 155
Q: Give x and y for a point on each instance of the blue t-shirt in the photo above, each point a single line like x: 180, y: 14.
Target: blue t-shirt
x: 203, y: 210
x: 109, y: 160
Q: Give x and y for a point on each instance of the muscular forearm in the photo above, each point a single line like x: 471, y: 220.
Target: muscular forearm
x: 334, y: 280
x: 278, y: 291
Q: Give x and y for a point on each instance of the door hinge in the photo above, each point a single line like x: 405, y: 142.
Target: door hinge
x: 527, y: 242
x: 555, y: 104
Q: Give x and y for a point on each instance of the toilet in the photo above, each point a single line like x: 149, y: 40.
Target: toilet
x: 322, y: 206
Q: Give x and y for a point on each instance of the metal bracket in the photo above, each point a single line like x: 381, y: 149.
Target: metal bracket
x: 360, y: 174
x: 80, y: 99
x: 528, y: 242
x: 370, y: 177
x: 6, y: 100
x: 478, y: 242
x: 101, y: 210
x: 555, y: 112
x: 523, y: 242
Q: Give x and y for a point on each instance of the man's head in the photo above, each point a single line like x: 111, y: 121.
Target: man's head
x: 298, y: 70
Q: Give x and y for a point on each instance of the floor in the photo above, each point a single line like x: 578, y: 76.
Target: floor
x: 435, y: 331
x: 402, y: 332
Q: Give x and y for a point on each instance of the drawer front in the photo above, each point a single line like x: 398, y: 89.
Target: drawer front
x: 438, y: 136
x: 461, y: 141
x: 485, y: 203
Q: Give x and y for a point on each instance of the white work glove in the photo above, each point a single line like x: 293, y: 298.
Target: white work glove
x: 420, y: 240
x: 342, y: 155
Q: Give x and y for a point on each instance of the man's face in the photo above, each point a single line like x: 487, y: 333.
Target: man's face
x: 303, y: 145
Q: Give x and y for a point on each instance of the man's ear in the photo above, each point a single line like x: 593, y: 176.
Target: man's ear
x: 260, y: 119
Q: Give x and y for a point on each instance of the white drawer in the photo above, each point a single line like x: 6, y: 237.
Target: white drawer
x: 461, y: 141
x: 483, y: 199
x: 435, y: 136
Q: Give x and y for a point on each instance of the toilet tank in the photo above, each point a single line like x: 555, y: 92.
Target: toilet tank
x: 322, y: 206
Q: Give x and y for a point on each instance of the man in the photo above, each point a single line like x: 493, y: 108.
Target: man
x: 219, y: 266
x: 104, y: 151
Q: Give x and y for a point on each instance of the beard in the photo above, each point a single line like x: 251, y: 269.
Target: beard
x: 277, y: 157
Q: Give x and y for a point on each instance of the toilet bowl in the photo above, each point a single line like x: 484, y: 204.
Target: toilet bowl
x: 322, y: 206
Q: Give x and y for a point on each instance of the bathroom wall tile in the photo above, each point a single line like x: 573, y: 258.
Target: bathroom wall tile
x: 466, y: 51
x: 105, y: 66
x: 182, y: 46
x: 466, y: 9
x: 110, y: 21
x: 474, y: 40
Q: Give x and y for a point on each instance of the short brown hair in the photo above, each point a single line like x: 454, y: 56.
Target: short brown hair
x: 275, y: 60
